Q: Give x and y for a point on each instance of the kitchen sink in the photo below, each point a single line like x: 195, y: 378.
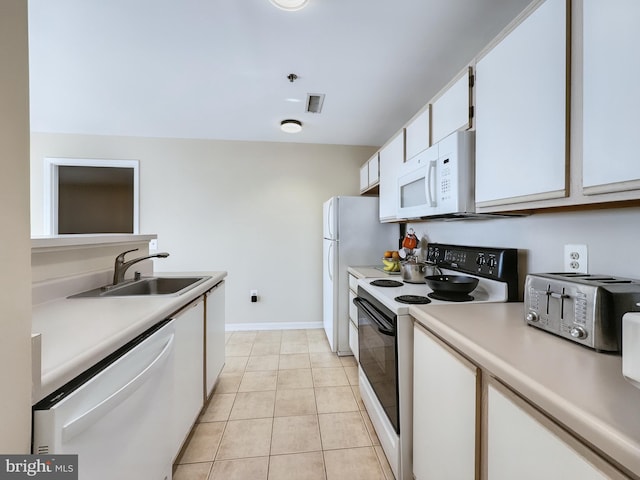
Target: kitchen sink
x: 148, y: 286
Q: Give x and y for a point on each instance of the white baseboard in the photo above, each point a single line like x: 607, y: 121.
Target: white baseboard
x: 239, y: 327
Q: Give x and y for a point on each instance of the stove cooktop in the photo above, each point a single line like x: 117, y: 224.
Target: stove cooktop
x: 486, y: 291
x: 495, y: 268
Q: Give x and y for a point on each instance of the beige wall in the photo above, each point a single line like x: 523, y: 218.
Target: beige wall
x: 15, y: 276
x: 253, y: 209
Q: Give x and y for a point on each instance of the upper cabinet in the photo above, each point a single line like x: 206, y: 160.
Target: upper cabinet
x: 391, y: 159
x: 451, y: 111
x: 611, y: 99
x: 370, y: 174
x: 418, y: 133
x: 521, y: 111
x: 552, y: 102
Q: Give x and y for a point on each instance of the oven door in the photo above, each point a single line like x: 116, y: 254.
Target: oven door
x: 378, y: 355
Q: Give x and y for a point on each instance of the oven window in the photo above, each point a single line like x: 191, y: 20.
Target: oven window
x: 378, y: 360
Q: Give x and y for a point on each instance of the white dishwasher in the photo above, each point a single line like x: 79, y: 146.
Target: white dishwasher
x: 116, y: 416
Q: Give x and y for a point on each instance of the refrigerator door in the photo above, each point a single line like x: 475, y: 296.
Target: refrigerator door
x: 329, y: 293
x: 353, y: 236
x: 330, y: 218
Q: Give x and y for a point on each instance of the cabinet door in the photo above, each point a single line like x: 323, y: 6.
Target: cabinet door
x: 444, y: 411
x: 364, y: 177
x: 188, y: 371
x: 418, y: 134
x: 611, y: 99
x: 521, y: 105
x: 353, y: 339
x: 374, y: 170
x: 451, y: 111
x: 214, y: 335
x: 391, y: 159
x: 518, y: 446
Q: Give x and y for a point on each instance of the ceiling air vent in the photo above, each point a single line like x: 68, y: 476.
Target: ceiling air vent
x: 314, y: 102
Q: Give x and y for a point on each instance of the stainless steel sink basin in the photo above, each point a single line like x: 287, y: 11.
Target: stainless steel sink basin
x: 148, y: 286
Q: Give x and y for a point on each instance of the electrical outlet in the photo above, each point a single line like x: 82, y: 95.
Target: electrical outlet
x: 153, y: 244
x: 576, y: 258
x: 254, y: 295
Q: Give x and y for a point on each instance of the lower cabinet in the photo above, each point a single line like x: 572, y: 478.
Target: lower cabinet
x: 188, y: 371
x: 445, y: 411
x: 524, y: 444
x: 214, y: 336
x: 353, y: 326
x: 467, y: 425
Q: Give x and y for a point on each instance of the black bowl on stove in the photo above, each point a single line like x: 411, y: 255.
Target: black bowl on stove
x: 451, y: 284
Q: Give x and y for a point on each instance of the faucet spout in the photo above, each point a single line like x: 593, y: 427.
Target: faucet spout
x: 121, y: 266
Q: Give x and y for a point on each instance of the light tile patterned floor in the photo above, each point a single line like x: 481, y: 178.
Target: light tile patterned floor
x: 285, y: 407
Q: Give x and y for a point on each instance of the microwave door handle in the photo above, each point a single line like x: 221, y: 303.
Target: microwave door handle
x: 384, y: 327
x: 431, y: 179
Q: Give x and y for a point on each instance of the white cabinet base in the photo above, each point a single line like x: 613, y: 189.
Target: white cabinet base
x: 522, y: 443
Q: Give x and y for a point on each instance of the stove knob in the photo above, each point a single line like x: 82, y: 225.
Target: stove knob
x: 578, y: 332
x: 532, y: 317
x: 492, y: 262
x: 480, y: 260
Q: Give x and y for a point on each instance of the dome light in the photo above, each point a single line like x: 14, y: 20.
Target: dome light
x: 290, y: 5
x: 291, y: 126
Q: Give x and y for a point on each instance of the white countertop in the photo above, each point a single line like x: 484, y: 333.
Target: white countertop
x: 370, y: 272
x: 76, y: 240
x: 76, y: 333
x: 580, y: 388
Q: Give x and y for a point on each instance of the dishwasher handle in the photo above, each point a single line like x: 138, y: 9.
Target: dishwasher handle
x: 81, y: 422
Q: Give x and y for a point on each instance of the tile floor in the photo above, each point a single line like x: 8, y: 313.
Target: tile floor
x: 285, y: 407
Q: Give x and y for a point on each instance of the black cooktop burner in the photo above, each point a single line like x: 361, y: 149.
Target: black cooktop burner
x: 386, y: 283
x: 450, y: 297
x: 413, y: 299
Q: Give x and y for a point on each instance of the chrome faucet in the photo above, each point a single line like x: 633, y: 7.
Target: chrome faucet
x: 121, y: 266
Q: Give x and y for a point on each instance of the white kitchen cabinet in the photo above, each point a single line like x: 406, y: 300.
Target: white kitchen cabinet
x: 214, y: 337
x: 524, y: 444
x: 353, y: 322
x: 391, y: 159
x: 364, y: 177
x: 521, y: 110
x: 611, y: 99
x: 188, y: 371
x: 373, y: 166
x: 370, y: 174
x: 418, y: 134
x: 445, y: 389
x: 451, y: 111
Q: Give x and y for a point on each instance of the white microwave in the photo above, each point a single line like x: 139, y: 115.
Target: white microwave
x: 440, y: 181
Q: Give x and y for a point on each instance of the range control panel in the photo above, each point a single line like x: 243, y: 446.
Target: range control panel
x: 494, y: 263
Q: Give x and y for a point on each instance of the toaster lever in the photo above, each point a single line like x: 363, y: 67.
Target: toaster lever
x: 559, y: 296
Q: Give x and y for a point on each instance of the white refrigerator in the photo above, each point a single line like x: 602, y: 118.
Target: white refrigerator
x: 353, y: 236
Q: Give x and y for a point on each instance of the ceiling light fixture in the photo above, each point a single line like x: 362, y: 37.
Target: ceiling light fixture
x: 290, y: 5
x: 291, y: 126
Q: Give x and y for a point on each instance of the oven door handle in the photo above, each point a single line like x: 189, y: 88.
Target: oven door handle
x: 383, y: 325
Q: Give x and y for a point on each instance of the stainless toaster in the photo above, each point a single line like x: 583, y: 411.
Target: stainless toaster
x: 583, y: 308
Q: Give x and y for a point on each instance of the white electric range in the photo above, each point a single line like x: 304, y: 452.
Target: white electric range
x: 385, y: 336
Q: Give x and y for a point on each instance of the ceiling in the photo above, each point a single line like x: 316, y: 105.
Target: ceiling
x: 217, y: 69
